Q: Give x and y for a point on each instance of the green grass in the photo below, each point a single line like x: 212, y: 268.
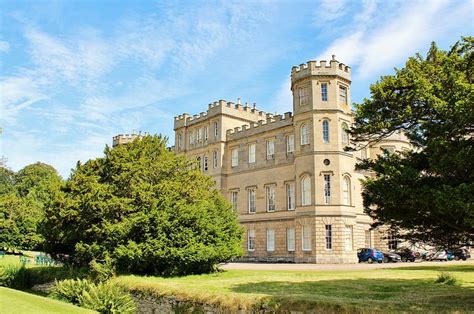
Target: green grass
x: 14, y: 301
x: 394, y: 290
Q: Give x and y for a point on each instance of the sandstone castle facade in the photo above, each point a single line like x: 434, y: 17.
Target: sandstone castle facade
x: 288, y: 177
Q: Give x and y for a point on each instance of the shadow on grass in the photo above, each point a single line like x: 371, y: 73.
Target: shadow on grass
x: 362, y: 295
x: 457, y: 268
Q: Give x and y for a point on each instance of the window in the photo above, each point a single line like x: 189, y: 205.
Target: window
x: 328, y: 237
x: 306, y: 238
x: 290, y: 144
x: 180, y: 140
x: 392, y: 240
x: 344, y: 134
x: 251, y: 205
x: 270, y: 191
x: 303, y: 95
x: 233, y: 199
x: 363, y: 153
x: 206, y: 163
x: 348, y: 238
x: 368, y: 238
x: 206, y: 133
x: 270, y: 149
x: 216, y: 130
x: 327, y: 189
x: 235, y: 157
x: 252, y: 153
x: 251, y: 240
x: 215, y: 159
x: 199, y: 135
x: 326, y: 131
x: 306, y: 191
x: 304, y: 134
x: 290, y: 196
x: 346, y: 191
x: 191, y: 137
x: 324, y: 91
x: 343, y: 94
x: 389, y: 149
x: 198, y: 161
x: 270, y: 240
x: 290, y: 239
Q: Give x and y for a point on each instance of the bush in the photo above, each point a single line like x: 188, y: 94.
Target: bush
x: 446, y: 279
x: 102, y: 297
x: 101, y: 272
x: 14, y: 276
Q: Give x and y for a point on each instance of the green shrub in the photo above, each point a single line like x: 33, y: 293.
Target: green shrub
x: 446, y: 278
x: 103, y: 297
x: 107, y: 298
x: 13, y: 276
x: 101, y: 272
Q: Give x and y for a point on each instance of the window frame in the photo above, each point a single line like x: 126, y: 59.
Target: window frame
x: 343, y: 95
x: 252, y: 153
x: 270, y: 236
x: 270, y: 144
x: 306, y: 235
x: 348, y: 238
x: 234, y: 157
x: 325, y: 133
x: 346, y: 191
x: 290, y: 196
x: 251, y: 200
x: 290, y: 144
x: 205, y: 166
x: 344, y: 134
x: 328, y: 236
x: 324, y: 91
x: 215, y: 161
x: 303, y: 95
x: 251, y: 240
x: 327, y: 188
x: 304, y: 134
x: 291, y: 240
x: 306, y: 199
x: 270, y: 195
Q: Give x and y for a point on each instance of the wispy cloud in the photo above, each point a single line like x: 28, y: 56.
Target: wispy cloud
x: 4, y: 46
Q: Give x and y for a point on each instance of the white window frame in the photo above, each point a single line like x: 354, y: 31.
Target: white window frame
x: 306, y: 191
x: 290, y: 144
x: 303, y: 95
x: 327, y: 189
x: 251, y: 240
x: 252, y: 200
x: 270, y: 149
x: 290, y: 196
x: 346, y: 191
x: 325, y: 133
x: 234, y: 198
x: 252, y: 153
x: 304, y: 134
x: 191, y: 137
x: 270, y: 198
x: 216, y: 129
x: 348, y: 238
x: 328, y: 229
x: 199, y: 135
x: 324, y: 91
x: 368, y: 238
x: 344, y: 134
x: 235, y: 157
x: 290, y: 239
x: 343, y: 94
x: 306, y: 238
x: 270, y: 240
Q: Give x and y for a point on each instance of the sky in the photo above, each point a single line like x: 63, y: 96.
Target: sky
x: 75, y: 73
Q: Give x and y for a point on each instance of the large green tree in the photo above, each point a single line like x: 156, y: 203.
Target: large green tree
x: 24, y: 196
x: 147, y: 209
x: 427, y: 193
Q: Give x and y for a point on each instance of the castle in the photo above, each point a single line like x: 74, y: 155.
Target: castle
x: 294, y: 187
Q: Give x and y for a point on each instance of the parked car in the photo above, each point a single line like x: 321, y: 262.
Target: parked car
x: 369, y: 255
x: 391, y: 257
x: 461, y: 254
x: 441, y: 255
x: 407, y: 255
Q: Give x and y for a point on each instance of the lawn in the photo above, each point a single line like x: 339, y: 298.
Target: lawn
x: 402, y: 289
x: 14, y: 301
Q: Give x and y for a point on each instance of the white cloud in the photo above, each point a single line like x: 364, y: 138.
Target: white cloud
x: 329, y: 11
x: 4, y: 46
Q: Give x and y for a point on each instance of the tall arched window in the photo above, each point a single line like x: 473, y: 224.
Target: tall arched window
x: 344, y: 134
x: 306, y: 191
x: 304, y: 134
x: 346, y: 191
x: 326, y: 131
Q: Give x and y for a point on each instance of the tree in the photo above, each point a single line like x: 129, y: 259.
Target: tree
x: 23, y: 199
x: 147, y: 209
x: 427, y: 192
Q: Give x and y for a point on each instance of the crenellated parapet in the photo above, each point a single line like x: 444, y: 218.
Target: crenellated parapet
x: 323, y: 68
x: 221, y: 107
x: 121, y: 139
x: 270, y: 123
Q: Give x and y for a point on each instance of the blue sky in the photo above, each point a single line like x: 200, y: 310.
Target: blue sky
x: 75, y: 73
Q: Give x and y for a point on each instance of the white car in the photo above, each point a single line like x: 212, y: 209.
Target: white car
x: 440, y: 256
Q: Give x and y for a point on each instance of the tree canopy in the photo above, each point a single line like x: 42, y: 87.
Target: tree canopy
x: 23, y: 198
x: 427, y: 193
x: 147, y: 209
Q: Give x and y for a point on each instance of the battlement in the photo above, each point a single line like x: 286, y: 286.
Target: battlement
x: 271, y: 122
x: 126, y: 138
x: 221, y: 107
x: 324, y: 68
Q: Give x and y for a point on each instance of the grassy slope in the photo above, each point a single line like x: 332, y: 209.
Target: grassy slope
x: 13, y: 301
x: 403, y: 289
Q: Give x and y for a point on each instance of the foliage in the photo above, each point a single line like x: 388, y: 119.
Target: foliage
x: 23, y: 199
x: 103, y: 297
x: 446, y: 278
x: 13, y: 276
x: 101, y: 272
x: 427, y: 192
x: 147, y: 209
